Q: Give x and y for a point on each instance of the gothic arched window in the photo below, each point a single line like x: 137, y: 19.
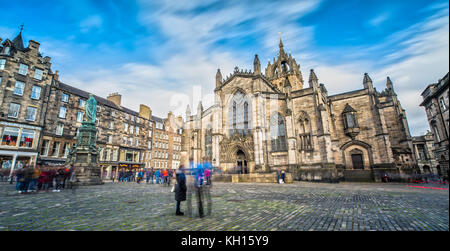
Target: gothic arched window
x: 239, y: 119
x: 245, y: 118
x: 278, y: 133
x: 208, y: 142
x: 234, y: 115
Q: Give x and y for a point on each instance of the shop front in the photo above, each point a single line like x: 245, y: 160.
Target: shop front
x: 13, y: 160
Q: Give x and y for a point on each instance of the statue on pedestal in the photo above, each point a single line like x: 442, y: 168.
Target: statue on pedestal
x: 84, y: 154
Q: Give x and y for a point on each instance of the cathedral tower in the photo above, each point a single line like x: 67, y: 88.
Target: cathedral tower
x: 284, y: 66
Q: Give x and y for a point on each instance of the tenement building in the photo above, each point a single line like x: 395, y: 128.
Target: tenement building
x: 40, y: 117
x: 435, y: 101
x: 272, y: 119
x: 424, y: 152
x: 25, y: 78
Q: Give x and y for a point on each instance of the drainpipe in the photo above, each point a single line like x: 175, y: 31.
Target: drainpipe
x: 45, y: 114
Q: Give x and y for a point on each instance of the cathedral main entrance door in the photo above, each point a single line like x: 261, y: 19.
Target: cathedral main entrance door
x: 241, y: 162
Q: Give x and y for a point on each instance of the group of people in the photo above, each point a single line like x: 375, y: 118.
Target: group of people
x: 31, y: 179
x: 194, y: 181
x: 281, y: 177
x: 163, y: 176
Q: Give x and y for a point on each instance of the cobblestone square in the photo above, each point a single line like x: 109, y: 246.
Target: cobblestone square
x: 300, y: 206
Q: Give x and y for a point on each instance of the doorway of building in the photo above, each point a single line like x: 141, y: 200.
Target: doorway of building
x: 357, y: 160
x: 241, y: 162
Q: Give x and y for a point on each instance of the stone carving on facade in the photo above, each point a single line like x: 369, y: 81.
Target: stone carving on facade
x: 229, y: 147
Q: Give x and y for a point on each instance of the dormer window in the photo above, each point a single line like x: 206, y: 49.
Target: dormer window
x: 351, y: 127
x: 6, y: 50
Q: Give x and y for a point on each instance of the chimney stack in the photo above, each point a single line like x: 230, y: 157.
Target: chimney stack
x: 116, y: 98
x: 145, y: 112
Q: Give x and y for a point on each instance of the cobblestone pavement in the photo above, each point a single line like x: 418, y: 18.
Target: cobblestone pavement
x: 243, y: 206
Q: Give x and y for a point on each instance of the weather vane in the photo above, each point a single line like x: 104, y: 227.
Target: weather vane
x: 21, y: 28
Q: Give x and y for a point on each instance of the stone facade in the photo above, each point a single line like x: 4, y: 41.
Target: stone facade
x: 275, y: 121
x: 25, y: 79
x: 436, y: 103
x: 127, y: 138
x: 424, y: 151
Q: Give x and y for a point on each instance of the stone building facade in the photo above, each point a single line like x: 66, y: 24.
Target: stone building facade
x: 436, y: 103
x: 269, y: 120
x: 25, y: 78
x: 40, y: 117
x: 424, y: 151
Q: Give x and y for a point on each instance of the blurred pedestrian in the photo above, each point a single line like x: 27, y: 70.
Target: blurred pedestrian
x: 180, y: 189
x: 157, y: 176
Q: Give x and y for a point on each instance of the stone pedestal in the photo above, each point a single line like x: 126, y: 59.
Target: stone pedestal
x: 84, y: 156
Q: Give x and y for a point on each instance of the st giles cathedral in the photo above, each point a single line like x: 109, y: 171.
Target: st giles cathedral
x: 263, y: 121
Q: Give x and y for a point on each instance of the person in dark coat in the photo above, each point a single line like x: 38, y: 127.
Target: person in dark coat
x: 180, y: 189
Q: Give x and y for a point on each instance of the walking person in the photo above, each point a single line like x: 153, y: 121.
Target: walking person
x: 59, y: 176
x: 19, y: 180
x: 73, y: 181
x: 166, y: 176
x: 28, y: 177
x: 283, y: 176
x: 157, y: 176
x: 180, y: 189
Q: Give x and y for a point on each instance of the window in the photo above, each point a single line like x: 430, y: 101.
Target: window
x: 125, y: 140
x: 113, y: 113
x: 6, y: 50
x: 65, y: 97
x: 111, y: 125
x: 31, y: 113
x: 55, y: 149
x: 126, y: 116
x: 277, y: 133
x: 138, y: 120
x: 62, y: 112
x: 150, y: 133
x: 38, y: 74
x: 125, y: 127
x: 44, y: 148
x: 23, y: 69
x: 137, y: 142
x: 80, y: 117
x: 36, y: 92
x: 66, y: 149
x: 13, y: 110
x: 149, y: 145
x: 2, y: 64
x: 436, y: 133
x: 82, y: 102
x: 442, y: 102
x: 132, y: 118
x: 59, y: 129
x: 131, y: 129
x: 18, y: 89
x: 110, y: 139
x: 137, y: 129
x: 10, y: 135
x: 349, y: 117
x: 351, y: 121
x: 26, y: 138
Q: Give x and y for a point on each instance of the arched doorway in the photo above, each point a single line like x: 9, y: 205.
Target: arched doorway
x: 241, y: 162
x: 426, y: 169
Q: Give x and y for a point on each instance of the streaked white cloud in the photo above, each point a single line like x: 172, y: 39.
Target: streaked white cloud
x: 189, y: 56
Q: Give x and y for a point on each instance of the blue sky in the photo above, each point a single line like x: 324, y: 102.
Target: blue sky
x: 153, y: 51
